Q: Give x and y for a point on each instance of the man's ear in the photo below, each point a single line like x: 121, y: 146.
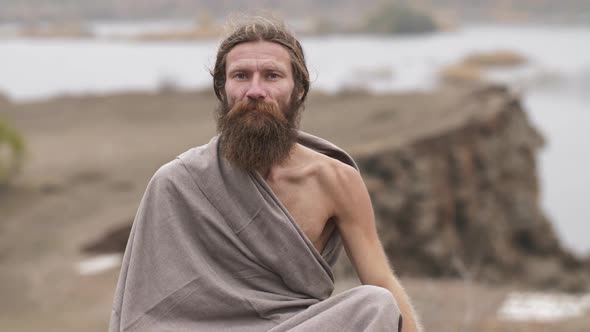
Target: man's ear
x: 300, y: 95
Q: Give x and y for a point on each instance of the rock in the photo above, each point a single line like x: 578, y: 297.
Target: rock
x: 467, y: 191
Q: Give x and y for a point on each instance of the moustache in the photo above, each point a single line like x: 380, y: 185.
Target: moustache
x: 256, y: 106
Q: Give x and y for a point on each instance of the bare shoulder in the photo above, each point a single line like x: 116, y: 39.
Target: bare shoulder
x: 334, y: 175
x: 346, y: 194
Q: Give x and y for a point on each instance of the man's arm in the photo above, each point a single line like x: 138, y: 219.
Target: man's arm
x: 356, y: 222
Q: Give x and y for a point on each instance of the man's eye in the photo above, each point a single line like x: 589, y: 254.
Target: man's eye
x: 240, y: 76
x: 273, y: 76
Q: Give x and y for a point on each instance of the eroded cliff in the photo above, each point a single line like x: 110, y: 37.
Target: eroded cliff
x: 461, y: 198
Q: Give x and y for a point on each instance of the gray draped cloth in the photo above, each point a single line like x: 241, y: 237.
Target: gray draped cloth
x: 213, y: 249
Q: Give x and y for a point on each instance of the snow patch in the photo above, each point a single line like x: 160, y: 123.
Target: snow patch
x: 98, y: 264
x: 537, y: 306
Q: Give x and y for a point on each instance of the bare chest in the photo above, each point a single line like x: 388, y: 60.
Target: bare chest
x: 309, y: 207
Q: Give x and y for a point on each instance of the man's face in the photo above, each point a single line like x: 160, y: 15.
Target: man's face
x: 259, y: 117
x: 259, y: 71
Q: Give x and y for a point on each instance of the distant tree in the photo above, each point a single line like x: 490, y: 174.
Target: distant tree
x: 12, y: 148
x: 394, y: 18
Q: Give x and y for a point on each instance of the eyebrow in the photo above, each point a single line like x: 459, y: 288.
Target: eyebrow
x: 272, y: 66
x: 268, y: 65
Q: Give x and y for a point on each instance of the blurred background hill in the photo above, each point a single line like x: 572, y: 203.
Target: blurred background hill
x: 565, y: 11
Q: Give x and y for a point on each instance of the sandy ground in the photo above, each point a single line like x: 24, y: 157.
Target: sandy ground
x: 89, y: 160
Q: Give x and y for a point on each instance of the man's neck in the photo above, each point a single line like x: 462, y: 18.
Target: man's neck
x: 293, y: 161
x: 289, y: 162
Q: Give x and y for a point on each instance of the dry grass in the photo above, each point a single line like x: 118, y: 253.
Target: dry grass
x: 192, y: 34
x: 56, y: 31
x: 501, y: 58
x: 472, y: 68
x: 461, y: 73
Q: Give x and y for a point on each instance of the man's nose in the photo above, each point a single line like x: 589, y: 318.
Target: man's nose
x: 256, y: 90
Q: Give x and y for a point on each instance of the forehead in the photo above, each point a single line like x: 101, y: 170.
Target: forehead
x: 258, y: 53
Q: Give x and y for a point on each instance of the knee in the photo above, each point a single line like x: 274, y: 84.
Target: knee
x: 379, y: 304
x: 376, y: 295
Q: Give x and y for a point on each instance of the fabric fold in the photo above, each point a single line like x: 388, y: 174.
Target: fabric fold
x: 213, y: 249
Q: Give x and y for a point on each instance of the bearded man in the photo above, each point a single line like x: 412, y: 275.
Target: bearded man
x: 240, y: 234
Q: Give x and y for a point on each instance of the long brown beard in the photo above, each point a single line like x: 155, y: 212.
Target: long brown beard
x: 256, y: 135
